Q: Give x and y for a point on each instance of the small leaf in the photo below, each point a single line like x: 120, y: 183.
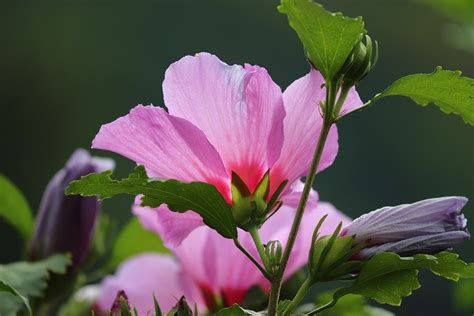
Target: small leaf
x: 449, y: 266
x: 387, y: 277
x: 14, y: 208
x: 30, y: 279
x: 236, y: 310
x: 132, y: 240
x: 444, y: 88
x: 327, y: 37
x: 7, y: 304
x: 203, y: 198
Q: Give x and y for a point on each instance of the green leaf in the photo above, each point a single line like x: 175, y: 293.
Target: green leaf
x: 444, y: 88
x: 14, y: 208
x: 387, y: 277
x: 8, y: 303
x: 451, y: 267
x: 199, y: 197
x: 327, y: 37
x: 236, y: 310
x: 349, y: 305
x: 132, y: 240
x: 29, y: 280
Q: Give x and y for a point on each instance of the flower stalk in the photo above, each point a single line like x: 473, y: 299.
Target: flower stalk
x: 331, y: 93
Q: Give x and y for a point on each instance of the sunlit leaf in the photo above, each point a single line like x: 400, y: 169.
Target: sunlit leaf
x: 327, y: 37
x: 449, y: 266
x: 447, y: 89
x: 387, y: 277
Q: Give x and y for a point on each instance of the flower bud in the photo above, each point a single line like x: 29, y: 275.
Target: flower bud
x: 360, y: 62
x: 428, y: 244
x: 274, y: 252
x: 427, y: 227
x: 66, y: 223
x: 329, y: 255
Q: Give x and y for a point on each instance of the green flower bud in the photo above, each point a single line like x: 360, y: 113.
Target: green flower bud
x: 274, y: 252
x: 329, y: 255
x: 360, y: 62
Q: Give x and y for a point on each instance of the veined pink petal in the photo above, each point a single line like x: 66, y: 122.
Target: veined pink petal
x: 168, y: 146
x: 240, y: 109
x: 145, y: 275
x: 217, y: 265
x: 302, y: 126
x: 292, y: 197
x: 353, y: 102
x: 172, y: 227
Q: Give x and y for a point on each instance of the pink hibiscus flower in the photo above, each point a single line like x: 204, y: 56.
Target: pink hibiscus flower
x: 224, y: 119
x: 207, y: 268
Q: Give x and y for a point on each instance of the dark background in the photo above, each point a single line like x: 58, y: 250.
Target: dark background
x: 66, y: 67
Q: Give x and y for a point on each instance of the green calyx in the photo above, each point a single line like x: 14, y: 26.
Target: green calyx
x: 250, y: 209
x: 329, y: 255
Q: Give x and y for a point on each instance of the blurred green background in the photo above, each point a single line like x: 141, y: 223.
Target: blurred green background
x: 66, y: 67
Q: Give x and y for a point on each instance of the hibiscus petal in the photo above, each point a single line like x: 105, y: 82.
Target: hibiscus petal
x: 217, y: 265
x: 168, y: 146
x: 172, y: 227
x: 240, y: 109
x: 302, y: 125
x: 145, y: 275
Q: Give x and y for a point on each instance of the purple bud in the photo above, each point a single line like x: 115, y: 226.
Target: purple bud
x: 427, y: 244
x: 427, y: 226
x: 67, y: 223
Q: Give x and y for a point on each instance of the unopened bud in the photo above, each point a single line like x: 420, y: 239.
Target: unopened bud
x: 360, y: 62
x: 274, y: 252
x: 66, y: 223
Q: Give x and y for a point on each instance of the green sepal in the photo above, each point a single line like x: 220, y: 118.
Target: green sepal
x: 156, y: 306
x: 250, y: 209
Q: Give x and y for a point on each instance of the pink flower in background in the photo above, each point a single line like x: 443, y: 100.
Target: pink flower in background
x: 225, y: 119
x: 207, y: 265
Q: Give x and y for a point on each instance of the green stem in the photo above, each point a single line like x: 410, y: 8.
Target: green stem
x: 322, y: 308
x: 331, y: 94
x: 252, y: 259
x: 340, y: 101
x: 276, y: 284
x: 258, y: 243
x: 363, y: 107
x: 299, y: 296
